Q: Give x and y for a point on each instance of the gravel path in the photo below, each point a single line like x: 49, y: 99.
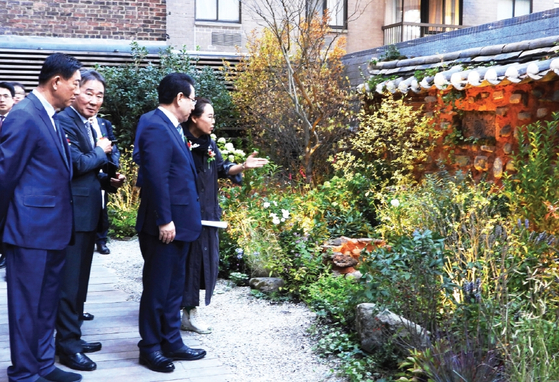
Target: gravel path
x: 258, y: 340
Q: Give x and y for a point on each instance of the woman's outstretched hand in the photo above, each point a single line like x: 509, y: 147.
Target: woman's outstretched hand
x: 253, y: 162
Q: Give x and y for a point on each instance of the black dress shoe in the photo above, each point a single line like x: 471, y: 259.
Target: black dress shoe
x: 58, y: 375
x: 91, y: 347
x: 87, y: 316
x: 185, y: 354
x: 157, y: 362
x: 2, y: 261
x: 77, y: 361
x: 103, y: 249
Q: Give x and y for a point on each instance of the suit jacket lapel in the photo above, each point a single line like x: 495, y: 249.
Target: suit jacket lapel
x: 53, y: 133
x: 102, y: 127
x: 182, y: 144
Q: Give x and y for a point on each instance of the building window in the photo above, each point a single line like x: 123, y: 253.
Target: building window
x: 513, y: 8
x: 337, y: 11
x: 219, y: 10
x: 410, y: 19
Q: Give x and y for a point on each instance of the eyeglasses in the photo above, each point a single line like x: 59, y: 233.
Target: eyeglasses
x: 193, y: 101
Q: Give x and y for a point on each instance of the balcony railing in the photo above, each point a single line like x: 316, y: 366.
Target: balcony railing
x: 405, y: 31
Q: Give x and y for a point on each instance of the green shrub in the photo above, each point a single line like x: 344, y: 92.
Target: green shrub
x: 334, y: 298
x: 534, y: 189
x: 132, y: 89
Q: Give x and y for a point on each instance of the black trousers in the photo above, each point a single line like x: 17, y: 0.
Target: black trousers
x: 103, y: 228
x: 163, y: 282
x: 73, y: 292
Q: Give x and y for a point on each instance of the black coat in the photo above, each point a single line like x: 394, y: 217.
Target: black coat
x: 202, y: 264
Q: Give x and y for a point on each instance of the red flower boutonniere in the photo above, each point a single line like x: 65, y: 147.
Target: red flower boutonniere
x: 68, y: 140
x: 188, y: 144
x: 211, y: 156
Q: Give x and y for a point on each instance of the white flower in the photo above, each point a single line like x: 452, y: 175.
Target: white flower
x: 395, y: 202
x: 231, y: 158
x: 275, y: 220
x: 224, y: 152
x: 275, y: 203
x: 273, y: 215
x: 221, y: 140
x: 266, y: 204
x: 229, y: 146
x: 282, y: 219
x: 240, y: 152
x: 213, y: 137
x: 285, y: 213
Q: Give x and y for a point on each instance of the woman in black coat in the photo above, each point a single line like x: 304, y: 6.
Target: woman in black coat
x: 202, y: 264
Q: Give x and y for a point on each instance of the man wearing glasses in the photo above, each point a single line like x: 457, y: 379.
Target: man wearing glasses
x: 168, y: 221
x: 89, y: 154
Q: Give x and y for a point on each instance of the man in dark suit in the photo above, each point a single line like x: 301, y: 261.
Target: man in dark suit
x: 89, y: 154
x: 168, y: 221
x: 104, y: 128
x: 36, y: 216
x: 7, y: 94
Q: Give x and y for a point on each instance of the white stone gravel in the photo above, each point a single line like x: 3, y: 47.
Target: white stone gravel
x: 258, y: 340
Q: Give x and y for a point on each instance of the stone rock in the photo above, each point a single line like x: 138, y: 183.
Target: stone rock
x: 524, y: 116
x: 498, y: 168
x: 501, y: 111
x: 488, y: 149
x: 507, y: 148
x: 480, y: 163
x: 515, y: 98
x: 510, y: 166
x: 266, y: 284
x: 461, y: 160
x: 344, y: 261
x: 506, y: 131
x: 344, y: 252
x: 541, y: 112
x: 498, y: 95
x: 430, y: 99
x: 376, y: 328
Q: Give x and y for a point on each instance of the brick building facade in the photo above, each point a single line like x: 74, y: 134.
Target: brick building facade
x: 129, y: 20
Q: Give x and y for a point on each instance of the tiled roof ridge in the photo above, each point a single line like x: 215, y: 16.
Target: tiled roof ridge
x: 467, y: 55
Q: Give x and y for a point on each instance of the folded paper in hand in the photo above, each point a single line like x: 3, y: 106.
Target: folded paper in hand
x: 214, y: 223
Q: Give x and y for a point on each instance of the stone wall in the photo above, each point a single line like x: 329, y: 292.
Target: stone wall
x: 490, y: 117
x: 137, y: 20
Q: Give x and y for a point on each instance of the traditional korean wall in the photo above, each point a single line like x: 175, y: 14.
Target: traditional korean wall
x: 490, y: 118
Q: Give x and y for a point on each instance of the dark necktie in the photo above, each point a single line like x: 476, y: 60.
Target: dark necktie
x: 60, y: 136
x: 2, y: 121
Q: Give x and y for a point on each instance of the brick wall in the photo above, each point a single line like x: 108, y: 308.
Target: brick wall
x: 137, y: 20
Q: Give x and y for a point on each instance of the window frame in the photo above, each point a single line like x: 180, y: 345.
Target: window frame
x: 344, y: 23
x: 217, y: 20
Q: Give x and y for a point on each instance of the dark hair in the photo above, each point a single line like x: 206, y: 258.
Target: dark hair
x: 201, y: 103
x: 172, y: 85
x: 58, y: 64
x: 92, y: 75
x: 7, y: 85
x: 18, y: 85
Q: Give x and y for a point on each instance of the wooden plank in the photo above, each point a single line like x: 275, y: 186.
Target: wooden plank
x: 116, y: 327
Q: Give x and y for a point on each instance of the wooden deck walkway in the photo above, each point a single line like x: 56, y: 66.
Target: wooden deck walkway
x: 116, y: 326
